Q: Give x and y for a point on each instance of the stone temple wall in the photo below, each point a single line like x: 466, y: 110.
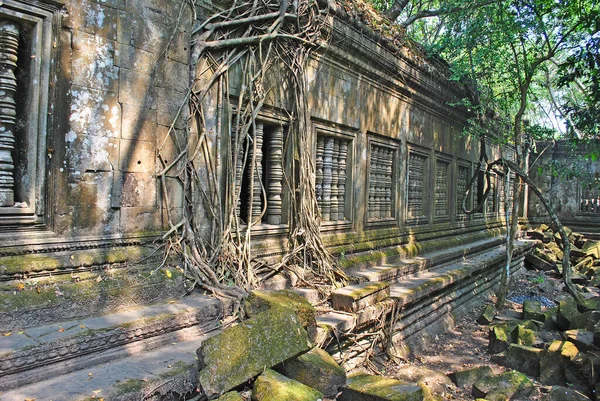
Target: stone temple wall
x: 91, y: 89
x: 570, y: 182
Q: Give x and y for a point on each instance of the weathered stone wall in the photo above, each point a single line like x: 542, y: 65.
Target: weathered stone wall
x: 99, y: 84
x: 570, y: 182
x: 387, y: 110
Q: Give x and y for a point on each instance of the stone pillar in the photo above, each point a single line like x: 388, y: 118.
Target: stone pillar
x: 275, y: 176
x: 342, y: 157
x: 256, y: 156
x: 327, y: 174
x: 335, y: 201
x: 319, y: 171
x: 9, y: 44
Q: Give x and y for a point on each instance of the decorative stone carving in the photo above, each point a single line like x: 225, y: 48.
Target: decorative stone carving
x: 441, y: 188
x: 319, y: 170
x: 590, y: 200
x: 461, y: 187
x: 335, y: 195
x: 238, y: 162
x: 327, y: 176
x: 416, y: 185
x: 275, y: 176
x: 9, y: 44
x: 342, y: 159
x: 380, y: 182
x: 330, y: 166
x: 256, y: 156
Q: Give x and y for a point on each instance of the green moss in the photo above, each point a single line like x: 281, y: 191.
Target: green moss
x: 129, y: 386
x: 260, y: 301
x: 272, y: 386
x: 385, y: 388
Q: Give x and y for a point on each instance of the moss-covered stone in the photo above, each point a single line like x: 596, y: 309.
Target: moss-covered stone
x: 487, y: 315
x: 243, y: 351
x: 231, y: 396
x: 466, y: 378
x: 272, y: 386
x: 567, y: 313
x: 532, y: 310
x: 524, y: 336
x: 500, y: 337
x: 560, y: 393
x: 553, y: 361
x: 316, y: 369
x: 504, y: 386
x: 435, y: 380
x: 377, y: 388
x: 523, y: 358
x: 260, y: 301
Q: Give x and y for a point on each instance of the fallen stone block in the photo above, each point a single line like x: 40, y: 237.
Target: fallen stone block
x: 523, y: 358
x: 583, y: 339
x: 243, y: 351
x: 592, y: 248
x: 231, y: 396
x: 586, y: 320
x: 363, y: 387
x: 537, y: 260
x: 359, y: 296
x: 435, y: 380
x: 512, y: 385
x: 566, y: 313
x: 316, y: 369
x: 500, y: 337
x: 532, y: 310
x: 260, y: 301
x: 559, y: 393
x: 536, y: 234
x: 487, y: 315
x: 272, y: 386
x: 556, y: 250
x: 553, y: 361
x: 466, y: 378
x: 524, y: 336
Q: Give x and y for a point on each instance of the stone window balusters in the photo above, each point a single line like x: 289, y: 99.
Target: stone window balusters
x: 441, y: 199
x: 9, y: 44
x: 380, y: 182
x: 416, y: 207
x: 330, y: 174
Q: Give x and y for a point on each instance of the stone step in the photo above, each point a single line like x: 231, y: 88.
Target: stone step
x: 413, y: 287
x: 392, y: 271
x: 355, y: 297
x: 168, y: 372
x: 344, y: 322
x: 36, y: 353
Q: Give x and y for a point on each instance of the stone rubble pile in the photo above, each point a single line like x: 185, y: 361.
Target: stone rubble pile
x: 558, y: 346
x: 548, y: 253
x: 270, y: 356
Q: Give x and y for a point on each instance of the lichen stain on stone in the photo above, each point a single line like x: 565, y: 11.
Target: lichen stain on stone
x: 86, y: 116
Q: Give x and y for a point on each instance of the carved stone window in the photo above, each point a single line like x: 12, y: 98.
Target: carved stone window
x: 333, y: 173
x: 261, y: 192
x: 490, y: 203
x: 442, y: 185
x: 26, y: 37
x: 462, y: 180
x: 381, y: 180
x: 478, y: 188
x: 416, y: 184
x: 590, y: 199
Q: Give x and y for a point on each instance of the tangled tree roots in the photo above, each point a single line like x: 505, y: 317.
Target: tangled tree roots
x: 252, y: 39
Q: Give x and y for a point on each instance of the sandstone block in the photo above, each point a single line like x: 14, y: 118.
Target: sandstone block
x: 487, y: 315
x: 512, y: 385
x: 586, y: 320
x: 523, y: 358
x: 272, y: 386
x: 435, y: 380
x: 559, y: 393
x: 362, y: 387
x: 242, y: 352
x: 355, y: 297
x: 500, y: 336
x: 553, y: 361
x: 231, y: 396
x: 567, y: 312
x: 466, y: 378
x: 583, y: 339
x: 261, y: 301
x: 316, y: 369
x: 533, y: 310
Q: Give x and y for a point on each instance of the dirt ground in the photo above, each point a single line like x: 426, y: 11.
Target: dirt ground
x: 465, y: 346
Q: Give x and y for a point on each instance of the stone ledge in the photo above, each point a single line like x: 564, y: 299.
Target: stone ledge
x: 38, y: 347
x: 359, y: 296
